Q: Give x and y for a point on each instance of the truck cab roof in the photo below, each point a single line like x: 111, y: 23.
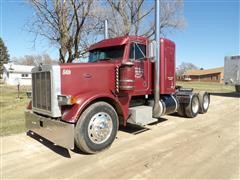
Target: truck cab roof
x: 118, y: 41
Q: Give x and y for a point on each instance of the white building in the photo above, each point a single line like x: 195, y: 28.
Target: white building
x: 17, y: 74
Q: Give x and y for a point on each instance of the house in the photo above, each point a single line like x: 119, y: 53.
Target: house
x: 207, y: 75
x: 17, y: 74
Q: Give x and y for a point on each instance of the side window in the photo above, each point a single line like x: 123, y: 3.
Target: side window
x: 24, y: 75
x: 137, y: 51
x: 132, y: 52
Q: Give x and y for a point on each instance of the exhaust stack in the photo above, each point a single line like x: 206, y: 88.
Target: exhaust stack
x: 106, y: 29
x: 157, y: 110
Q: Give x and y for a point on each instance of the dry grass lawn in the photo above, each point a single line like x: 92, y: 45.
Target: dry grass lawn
x: 12, y: 109
x: 208, y: 86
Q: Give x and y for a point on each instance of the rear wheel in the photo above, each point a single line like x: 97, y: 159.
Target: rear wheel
x: 96, y: 128
x: 237, y: 88
x: 181, y: 110
x: 204, y: 101
x: 192, y: 108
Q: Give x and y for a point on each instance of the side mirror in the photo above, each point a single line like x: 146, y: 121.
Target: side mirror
x: 152, y: 50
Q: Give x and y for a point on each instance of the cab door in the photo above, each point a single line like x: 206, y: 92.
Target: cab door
x: 137, y: 54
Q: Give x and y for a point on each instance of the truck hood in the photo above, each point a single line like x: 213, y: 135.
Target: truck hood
x: 77, y: 79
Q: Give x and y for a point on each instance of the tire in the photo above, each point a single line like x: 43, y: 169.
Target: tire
x: 96, y: 128
x: 192, y: 109
x: 181, y: 110
x: 204, y: 101
x: 237, y: 88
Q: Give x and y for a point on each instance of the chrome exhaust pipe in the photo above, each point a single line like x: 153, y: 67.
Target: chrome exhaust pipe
x: 106, y: 29
x: 157, y: 109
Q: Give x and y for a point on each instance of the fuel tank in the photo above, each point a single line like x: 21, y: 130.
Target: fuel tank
x: 127, y: 78
x: 168, y: 103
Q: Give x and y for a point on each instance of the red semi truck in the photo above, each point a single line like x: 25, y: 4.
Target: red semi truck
x: 128, y: 79
x: 83, y: 104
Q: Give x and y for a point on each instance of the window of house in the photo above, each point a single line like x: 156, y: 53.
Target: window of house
x: 137, y: 51
x: 24, y: 75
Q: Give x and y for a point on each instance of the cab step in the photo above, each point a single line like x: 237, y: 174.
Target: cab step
x: 141, y: 115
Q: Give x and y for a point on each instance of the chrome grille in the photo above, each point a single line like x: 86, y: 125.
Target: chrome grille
x: 41, y: 90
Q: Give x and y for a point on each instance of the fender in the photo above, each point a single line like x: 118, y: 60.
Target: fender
x: 72, y: 113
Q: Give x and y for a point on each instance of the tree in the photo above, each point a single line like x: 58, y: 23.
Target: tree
x: 63, y: 23
x: 34, y: 60
x: 126, y: 16
x: 72, y: 25
x: 4, y: 56
x: 184, y: 67
x: 136, y: 17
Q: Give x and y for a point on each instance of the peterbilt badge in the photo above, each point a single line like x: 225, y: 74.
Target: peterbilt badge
x: 66, y: 72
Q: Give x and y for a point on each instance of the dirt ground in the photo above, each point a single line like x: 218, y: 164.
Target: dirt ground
x: 204, y: 147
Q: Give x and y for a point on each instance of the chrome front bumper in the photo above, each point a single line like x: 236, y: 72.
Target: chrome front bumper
x: 58, y: 132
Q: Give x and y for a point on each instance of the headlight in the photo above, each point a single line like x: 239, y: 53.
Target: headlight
x: 66, y: 100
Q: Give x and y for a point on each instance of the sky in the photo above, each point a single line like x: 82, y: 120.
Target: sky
x: 211, y: 32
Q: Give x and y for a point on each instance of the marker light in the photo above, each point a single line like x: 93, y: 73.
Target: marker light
x: 66, y: 100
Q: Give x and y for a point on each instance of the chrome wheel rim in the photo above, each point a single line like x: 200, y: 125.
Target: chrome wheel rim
x: 205, y: 102
x: 195, y: 105
x: 100, y: 128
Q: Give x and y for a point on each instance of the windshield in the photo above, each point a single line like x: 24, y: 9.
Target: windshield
x: 115, y: 52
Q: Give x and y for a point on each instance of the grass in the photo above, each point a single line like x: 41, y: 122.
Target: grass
x: 12, y: 109
x: 207, y: 86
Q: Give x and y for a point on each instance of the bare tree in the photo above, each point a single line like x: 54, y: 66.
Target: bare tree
x: 62, y: 22
x: 184, y: 67
x: 171, y: 16
x: 72, y: 25
x: 136, y: 17
x: 34, y: 60
x: 126, y: 15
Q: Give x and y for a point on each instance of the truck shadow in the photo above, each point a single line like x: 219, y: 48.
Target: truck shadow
x: 133, y: 129
x: 55, y: 148
x: 130, y: 128
x: 137, y: 129
x: 230, y: 94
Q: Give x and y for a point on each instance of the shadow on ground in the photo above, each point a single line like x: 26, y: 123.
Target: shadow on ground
x: 57, y: 149
x: 137, y: 129
x: 230, y: 94
x: 130, y: 128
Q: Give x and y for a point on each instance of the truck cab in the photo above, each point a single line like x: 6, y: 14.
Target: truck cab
x: 83, y: 104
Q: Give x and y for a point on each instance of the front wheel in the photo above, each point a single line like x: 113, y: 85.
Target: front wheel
x: 96, y: 128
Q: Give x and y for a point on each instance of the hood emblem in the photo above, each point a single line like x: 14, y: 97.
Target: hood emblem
x: 66, y: 72
x: 87, y: 75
